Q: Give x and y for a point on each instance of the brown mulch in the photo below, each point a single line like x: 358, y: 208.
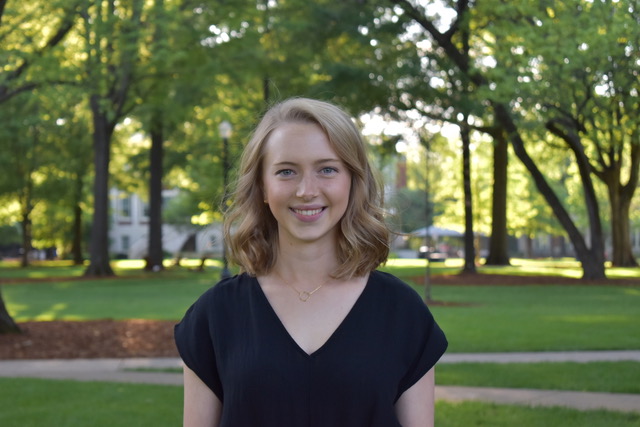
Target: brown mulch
x: 90, y: 339
x: 154, y: 338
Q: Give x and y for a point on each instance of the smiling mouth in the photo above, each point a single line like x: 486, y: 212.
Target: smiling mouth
x: 307, y: 212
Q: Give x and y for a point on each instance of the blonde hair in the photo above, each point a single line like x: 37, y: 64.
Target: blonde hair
x: 251, y: 231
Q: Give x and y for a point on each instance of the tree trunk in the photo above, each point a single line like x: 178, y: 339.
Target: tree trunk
x: 498, y: 249
x: 591, y: 258
x: 25, y: 224
x: 76, y: 244
x: 620, y: 197
x: 155, y: 252
x: 7, y: 324
x: 469, y: 247
x: 620, y: 231
x: 99, y: 245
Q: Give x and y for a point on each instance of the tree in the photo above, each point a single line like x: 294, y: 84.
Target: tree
x: 591, y: 256
x: 601, y: 115
x: 42, y: 25
x: 111, y: 34
x: 24, y: 53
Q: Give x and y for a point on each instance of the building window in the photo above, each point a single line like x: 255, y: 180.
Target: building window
x: 145, y: 210
x: 126, y: 243
x: 125, y: 207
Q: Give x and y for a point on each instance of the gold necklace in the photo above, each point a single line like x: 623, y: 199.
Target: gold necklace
x: 302, y: 295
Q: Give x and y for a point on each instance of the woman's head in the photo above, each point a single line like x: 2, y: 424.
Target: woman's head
x: 252, y: 231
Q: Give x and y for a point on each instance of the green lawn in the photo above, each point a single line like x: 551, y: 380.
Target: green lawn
x: 539, y: 318
x: 153, y: 296
x: 481, y: 319
x: 35, y: 403
x: 611, y: 377
x: 475, y: 414
x: 486, y: 319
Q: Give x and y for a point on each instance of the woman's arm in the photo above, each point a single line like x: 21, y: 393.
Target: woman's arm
x: 202, y: 408
x: 415, y: 408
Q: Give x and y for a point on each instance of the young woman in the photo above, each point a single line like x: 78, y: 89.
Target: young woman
x: 310, y: 333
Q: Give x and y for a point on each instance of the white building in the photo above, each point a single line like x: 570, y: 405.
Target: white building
x: 129, y: 230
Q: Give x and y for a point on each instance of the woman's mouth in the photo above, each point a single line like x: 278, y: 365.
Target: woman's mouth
x: 307, y: 212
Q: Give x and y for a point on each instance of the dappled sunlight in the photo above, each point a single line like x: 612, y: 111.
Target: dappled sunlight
x: 544, y: 267
x: 624, y: 273
x: 634, y: 292
x: 546, y: 262
x: 15, y: 309
x: 128, y: 264
x: 53, y: 313
x: 139, y: 264
x: 406, y: 262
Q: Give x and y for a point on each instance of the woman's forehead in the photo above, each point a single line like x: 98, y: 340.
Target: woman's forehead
x: 297, y: 142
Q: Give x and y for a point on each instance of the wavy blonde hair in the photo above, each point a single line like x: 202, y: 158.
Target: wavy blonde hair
x: 251, y: 231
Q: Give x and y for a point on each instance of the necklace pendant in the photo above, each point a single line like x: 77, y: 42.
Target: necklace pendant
x: 304, y: 296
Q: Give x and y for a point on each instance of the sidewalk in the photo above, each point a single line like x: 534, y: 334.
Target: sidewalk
x: 132, y: 371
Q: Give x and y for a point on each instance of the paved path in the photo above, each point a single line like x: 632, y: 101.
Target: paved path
x: 129, y: 370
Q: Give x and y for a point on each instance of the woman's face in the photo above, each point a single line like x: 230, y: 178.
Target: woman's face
x: 305, y: 184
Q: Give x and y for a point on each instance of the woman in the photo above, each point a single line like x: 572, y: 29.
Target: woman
x: 310, y: 334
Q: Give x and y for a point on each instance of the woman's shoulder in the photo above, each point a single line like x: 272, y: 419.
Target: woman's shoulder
x: 225, y: 290
x: 395, y: 292
x: 392, y: 285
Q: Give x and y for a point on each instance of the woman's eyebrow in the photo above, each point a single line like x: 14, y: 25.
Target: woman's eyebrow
x: 317, y: 162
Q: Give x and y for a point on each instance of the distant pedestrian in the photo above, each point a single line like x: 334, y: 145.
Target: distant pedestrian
x: 310, y: 333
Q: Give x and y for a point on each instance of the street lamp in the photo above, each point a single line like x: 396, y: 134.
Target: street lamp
x: 225, y: 133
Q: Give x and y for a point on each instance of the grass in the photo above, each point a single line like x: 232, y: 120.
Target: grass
x: 566, y: 267
x: 35, y: 402
x: 486, y: 319
x: 64, y: 269
x: 152, y: 297
x: 472, y: 414
x: 603, y: 377
x: 610, y: 377
x: 28, y: 402
x: 539, y: 318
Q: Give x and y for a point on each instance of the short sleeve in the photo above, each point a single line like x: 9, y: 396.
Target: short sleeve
x: 426, y: 342
x: 194, y: 337
x: 434, y: 344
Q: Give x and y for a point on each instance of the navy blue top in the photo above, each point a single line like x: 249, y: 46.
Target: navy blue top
x: 233, y: 340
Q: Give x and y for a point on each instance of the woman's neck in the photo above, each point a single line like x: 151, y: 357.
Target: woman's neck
x: 300, y: 262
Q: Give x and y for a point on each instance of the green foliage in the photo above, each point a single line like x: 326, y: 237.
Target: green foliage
x: 9, y: 234
x: 189, y: 67
x: 410, y: 209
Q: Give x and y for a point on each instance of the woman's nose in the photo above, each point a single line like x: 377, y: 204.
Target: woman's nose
x: 307, y: 187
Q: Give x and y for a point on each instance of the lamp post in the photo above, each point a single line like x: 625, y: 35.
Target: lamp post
x: 428, y: 211
x: 225, y: 133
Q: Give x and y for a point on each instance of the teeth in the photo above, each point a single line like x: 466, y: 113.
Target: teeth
x: 307, y: 212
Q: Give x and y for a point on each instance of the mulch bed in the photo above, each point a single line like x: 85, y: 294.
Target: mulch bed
x: 90, y: 339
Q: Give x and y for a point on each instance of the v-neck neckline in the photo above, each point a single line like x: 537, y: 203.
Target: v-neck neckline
x: 332, y: 336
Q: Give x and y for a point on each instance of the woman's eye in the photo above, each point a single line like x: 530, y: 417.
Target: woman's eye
x: 329, y: 170
x: 284, y: 172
